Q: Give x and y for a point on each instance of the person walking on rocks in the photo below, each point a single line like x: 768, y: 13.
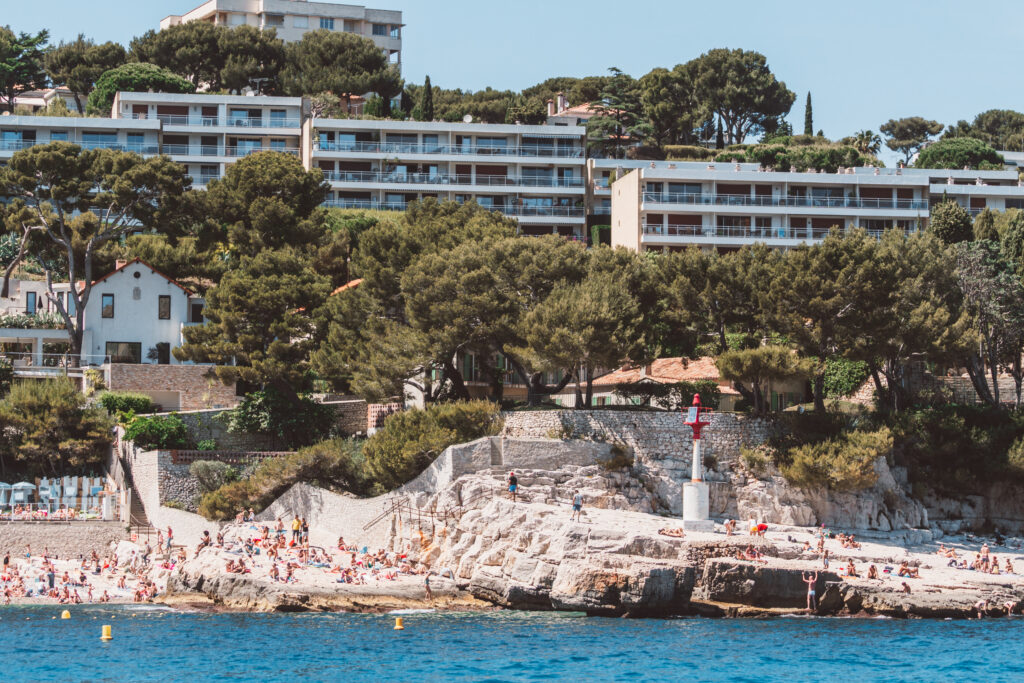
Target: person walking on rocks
x: 577, y: 506
x: 513, y: 485
x: 811, y: 581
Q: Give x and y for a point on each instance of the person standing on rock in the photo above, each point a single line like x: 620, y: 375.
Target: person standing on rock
x: 296, y: 530
x: 811, y: 581
x: 577, y: 506
x: 426, y: 587
x: 513, y: 485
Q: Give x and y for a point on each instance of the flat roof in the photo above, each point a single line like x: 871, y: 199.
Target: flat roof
x: 78, y: 122
x: 444, y: 126
x: 717, y: 169
x: 200, y: 98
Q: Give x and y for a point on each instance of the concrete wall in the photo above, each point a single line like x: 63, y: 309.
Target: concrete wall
x: 62, y: 540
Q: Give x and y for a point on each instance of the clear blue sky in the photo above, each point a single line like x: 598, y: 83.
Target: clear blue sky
x: 864, y: 61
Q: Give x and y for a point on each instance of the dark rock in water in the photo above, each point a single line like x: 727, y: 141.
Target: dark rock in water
x: 738, y: 581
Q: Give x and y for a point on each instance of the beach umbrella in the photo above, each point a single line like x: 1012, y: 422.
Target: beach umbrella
x: 24, y: 485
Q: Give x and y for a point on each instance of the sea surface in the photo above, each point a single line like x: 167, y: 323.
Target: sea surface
x: 157, y: 644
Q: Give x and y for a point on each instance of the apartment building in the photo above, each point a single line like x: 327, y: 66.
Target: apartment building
x: 21, y: 132
x: 668, y: 205
x: 206, y: 133
x: 532, y: 173
x: 291, y: 19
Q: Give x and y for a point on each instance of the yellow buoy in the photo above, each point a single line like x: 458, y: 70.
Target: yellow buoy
x: 106, y: 633
x: 65, y: 614
x: 398, y: 624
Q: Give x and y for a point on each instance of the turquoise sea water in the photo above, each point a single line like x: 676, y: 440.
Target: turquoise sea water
x: 154, y: 644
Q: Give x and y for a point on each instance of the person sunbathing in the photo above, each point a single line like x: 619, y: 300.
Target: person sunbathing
x: 873, y: 572
x: 851, y: 570
x: 906, y: 570
x: 1009, y: 566
x: 675, y: 533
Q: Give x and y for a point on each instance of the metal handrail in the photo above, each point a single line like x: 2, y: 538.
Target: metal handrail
x: 448, y: 179
x: 545, y: 151
x: 765, y: 200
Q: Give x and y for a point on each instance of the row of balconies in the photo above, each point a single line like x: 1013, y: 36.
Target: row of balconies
x: 442, y: 149
x: 766, y: 200
x: 751, y: 232
x: 449, y: 179
x: 507, y: 209
x: 213, y: 121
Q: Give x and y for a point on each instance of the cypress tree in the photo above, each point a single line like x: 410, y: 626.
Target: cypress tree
x: 719, y: 137
x: 427, y: 104
x: 808, y: 116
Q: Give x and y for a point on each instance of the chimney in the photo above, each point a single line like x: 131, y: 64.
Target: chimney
x: 551, y: 107
x: 563, y: 102
x: 120, y: 263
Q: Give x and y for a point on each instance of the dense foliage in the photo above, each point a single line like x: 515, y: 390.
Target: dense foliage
x: 294, y: 424
x: 671, y: 396
x: 959, y: 152
x: 159, y: 432
x: 49, y: 430
x: 410, y: 440
x: 335, y: 465
x: 117, y: 402
x: 134, y: 77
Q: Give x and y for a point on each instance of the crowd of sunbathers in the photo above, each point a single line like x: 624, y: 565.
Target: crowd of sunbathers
x: 260, y: 549
x: 30, y: 513
x: 41, y: 576
x: 984, y: 561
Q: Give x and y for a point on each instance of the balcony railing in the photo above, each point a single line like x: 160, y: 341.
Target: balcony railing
x: 15, y: 145
x: 25, y: 363
x: 507, y: 209
x: 246, y: 151
x: 137, y: 147
x: 482, y: 150
x: 210, y: 121
x: 448, y: 179
x: 752, y: 233
x: 205, y: 179
x: 759, y: 200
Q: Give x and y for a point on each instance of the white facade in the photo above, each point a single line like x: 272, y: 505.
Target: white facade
x: 207, y: 133
x: 532, y: 173
x: 291, y: 19
x: 21, y: 132
x: 664, y: 205
x: 137, y: 315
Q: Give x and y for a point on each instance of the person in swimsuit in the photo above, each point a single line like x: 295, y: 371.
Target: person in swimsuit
x: 811, y: 581
x: 513, y: 485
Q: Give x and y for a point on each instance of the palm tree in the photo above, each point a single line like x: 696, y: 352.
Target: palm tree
x: 867, y: 142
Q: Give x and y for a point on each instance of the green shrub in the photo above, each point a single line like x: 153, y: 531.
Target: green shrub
x: 160, y: 432
x: 337, y: 464
x: 843, y: 377
x: 757, y: 459
x: 409, y: 441
x: 1015, y: 456
x: 688, y: 152
x: 730, y: 157
x: 117, y: 402
x: 270, y: 412
x: 621, y: 458
x: 212, y: 474
x: 39, y: 321
x: 845, y: 463
x: 206, y: 445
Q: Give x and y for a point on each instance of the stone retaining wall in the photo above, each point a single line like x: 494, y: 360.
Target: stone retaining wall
x: 661, y: 444
x: 62, y: 540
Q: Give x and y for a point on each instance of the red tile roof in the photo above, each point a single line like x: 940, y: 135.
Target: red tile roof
x: 348, y: 285
x: 668, y: 371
